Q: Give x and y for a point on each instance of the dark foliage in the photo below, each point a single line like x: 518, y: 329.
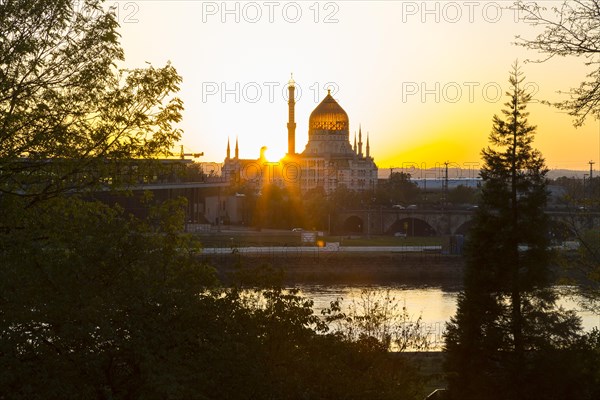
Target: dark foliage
x: 97, y: 305
x: 507, y: 325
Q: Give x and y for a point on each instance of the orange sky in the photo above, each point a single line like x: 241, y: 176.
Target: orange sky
x: 421, y: 77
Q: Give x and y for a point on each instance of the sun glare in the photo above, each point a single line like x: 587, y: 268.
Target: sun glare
x: 271, y: 155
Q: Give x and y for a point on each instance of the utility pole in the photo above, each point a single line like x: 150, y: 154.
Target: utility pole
x: 446, y: 194
x: 591, y: 182
x: 392, y: 168
x: 445, y: 185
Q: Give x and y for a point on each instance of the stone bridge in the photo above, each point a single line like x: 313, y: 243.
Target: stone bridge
x: 378, y: 221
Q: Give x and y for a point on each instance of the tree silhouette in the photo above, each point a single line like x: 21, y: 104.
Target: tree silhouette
x: 68, y: 115
x: 571, y: 28
x: 506, y: 312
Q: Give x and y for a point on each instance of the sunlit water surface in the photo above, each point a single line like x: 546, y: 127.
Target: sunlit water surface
x: 434, y: 304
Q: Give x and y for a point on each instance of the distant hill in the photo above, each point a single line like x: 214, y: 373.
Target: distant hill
x: 569, y: 173
x: 465, y: 173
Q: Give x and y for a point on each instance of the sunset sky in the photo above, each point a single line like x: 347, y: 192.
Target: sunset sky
x: 421, y: 77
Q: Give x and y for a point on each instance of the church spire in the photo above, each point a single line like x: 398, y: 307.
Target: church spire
x: 368, y: 147
x: 291, y: 125
x: 237, y: 149
x: 228, y: 149
x: 360, y: 153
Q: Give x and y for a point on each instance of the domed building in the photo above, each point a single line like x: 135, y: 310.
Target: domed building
x: 328, y: 131
x: 329, y: 160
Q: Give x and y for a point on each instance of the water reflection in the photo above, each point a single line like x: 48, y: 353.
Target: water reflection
x: 434, y: 304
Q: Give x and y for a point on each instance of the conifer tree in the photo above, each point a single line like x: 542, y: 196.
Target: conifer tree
x: 507, y: 314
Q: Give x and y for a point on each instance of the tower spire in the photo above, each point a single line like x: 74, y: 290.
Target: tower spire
x: 360, y: 153
x: 228, y: 149
x: 237, y: 149
x: 354, y: 148
x: 368, y: 147
x: 291, y: 125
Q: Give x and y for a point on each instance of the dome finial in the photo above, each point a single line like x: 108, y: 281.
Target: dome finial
x: 291, y: 82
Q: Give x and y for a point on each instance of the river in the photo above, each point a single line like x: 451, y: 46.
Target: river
x: 434, y: 304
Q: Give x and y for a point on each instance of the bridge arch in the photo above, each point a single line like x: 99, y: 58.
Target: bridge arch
x: 464, y: 228
x: 411, y: 226
x: 448, y: 222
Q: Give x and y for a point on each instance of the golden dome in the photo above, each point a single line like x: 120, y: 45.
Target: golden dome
x: 328, y: 118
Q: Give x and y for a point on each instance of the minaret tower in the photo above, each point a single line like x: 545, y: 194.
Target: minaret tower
x: 228, y: 149
x: 354, y: 147
x: 360, y: 153
x: 368, y: 147
x: 291, y: 126
x: 237, y: 149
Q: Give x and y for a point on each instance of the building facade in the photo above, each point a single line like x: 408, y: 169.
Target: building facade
x: 328, y: 161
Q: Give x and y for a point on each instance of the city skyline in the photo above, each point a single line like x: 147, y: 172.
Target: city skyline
x: 422, y: 79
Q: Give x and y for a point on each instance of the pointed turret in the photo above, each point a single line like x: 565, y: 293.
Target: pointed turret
x: 368, y: 147
x: 228, y: 150
x: 360, y: 153
x: 237, y: 149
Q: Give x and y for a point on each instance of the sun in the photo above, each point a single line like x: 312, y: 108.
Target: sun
x: 271, y: 155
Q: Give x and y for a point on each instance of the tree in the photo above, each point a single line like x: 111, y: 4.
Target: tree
x: 69, y: 118
x: 397, y: 189
x: 91, y: 299
x: 81, y: 285
x: 571, y: 29
x: 344, y: 198
x: 277, y: 208
x: 380, y: 318
x: 95, y: 304
x: 506, y: 314
x: 462, y: 195
x: 317, y: 209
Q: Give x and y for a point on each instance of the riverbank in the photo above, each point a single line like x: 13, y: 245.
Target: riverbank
x: 343, y: 267
x: 360, y: 265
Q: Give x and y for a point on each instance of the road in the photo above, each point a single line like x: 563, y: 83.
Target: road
x: 316, y: 249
